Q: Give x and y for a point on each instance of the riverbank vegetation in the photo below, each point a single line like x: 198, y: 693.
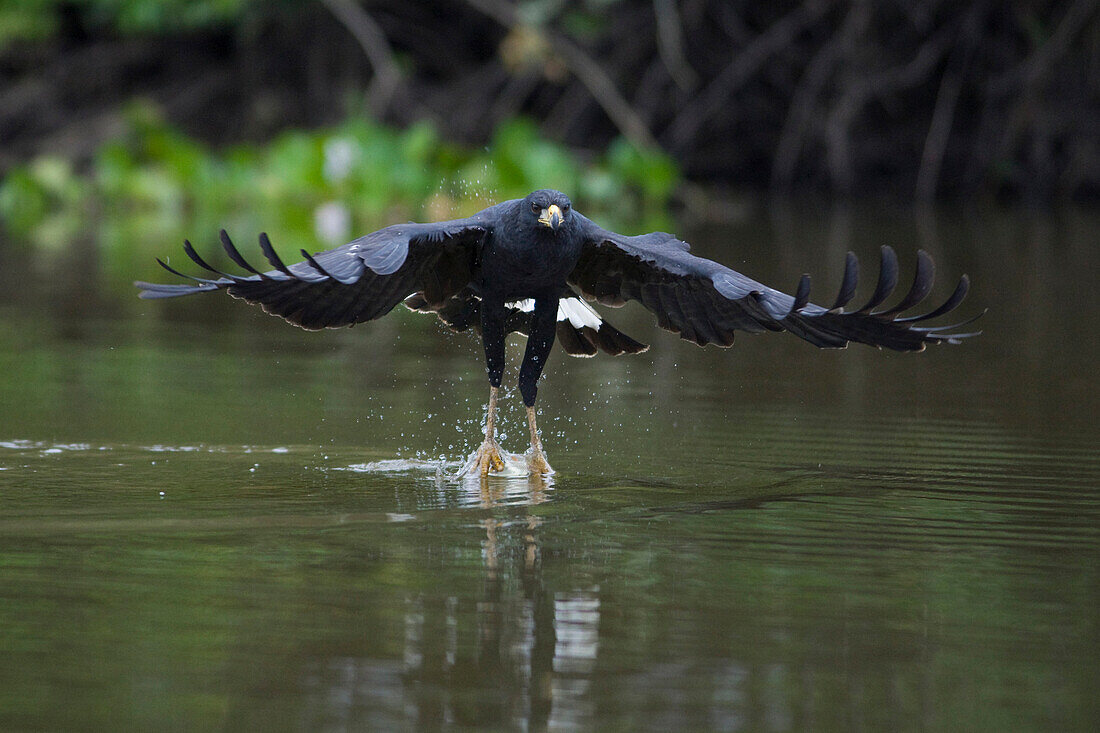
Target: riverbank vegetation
x: 152, y: 185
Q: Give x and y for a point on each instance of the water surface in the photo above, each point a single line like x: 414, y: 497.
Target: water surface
x: 209, y: 519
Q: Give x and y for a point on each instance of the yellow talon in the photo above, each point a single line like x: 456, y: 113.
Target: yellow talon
x: 488, y: 459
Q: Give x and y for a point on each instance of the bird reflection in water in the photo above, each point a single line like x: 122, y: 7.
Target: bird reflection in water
x: 515, y: 645
x: 515, y: 654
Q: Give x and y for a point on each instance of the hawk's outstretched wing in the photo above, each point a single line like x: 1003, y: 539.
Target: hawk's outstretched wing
x: 706, y: 302
x: 360, y: 281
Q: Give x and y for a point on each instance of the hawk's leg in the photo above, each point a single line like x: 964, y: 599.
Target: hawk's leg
x: 488, y: 456
x: 541, y: 339
x: 536, y: 459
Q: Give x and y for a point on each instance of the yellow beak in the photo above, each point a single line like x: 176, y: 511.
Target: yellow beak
x: 551, y: 216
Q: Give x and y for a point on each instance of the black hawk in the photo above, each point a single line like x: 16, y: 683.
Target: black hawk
x: 529, y: 265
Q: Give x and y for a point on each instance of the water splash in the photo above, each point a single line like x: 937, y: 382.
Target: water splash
x: 515, y: 466
x: 398, y: 465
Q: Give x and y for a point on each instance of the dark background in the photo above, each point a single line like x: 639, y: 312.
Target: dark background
x: 914, y: 100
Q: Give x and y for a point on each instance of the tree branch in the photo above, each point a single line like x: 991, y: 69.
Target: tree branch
x: 670, y: 44
x: 751, y: 59
x: 372, y: 39
x: 802, y: 106
x: 585, y: 68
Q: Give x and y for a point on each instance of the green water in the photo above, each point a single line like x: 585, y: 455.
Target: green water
x: 211, y: 520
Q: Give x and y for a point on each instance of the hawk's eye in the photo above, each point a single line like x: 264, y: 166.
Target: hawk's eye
x: 536, y: 208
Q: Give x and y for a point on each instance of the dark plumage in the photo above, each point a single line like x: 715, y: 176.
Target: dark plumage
x: 519, y: 266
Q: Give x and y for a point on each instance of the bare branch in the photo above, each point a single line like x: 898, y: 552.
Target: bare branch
x: 1033, y: 70
x: 670, y: 44
x: 372, y: 39
x: 803, y: 103
x: 586, y: 69
x: 751, y: 59
x: 935, y: 143
x: 943, y: 115
x: 859, y: 90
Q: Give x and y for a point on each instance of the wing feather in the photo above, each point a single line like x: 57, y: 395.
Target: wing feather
x: 238, y: 259
x: 849, y: 283
x: 887, y: 280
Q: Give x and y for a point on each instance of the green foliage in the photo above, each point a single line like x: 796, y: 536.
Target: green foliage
x: 27, y: 20
x: 309, y: 189
x: 35, y: 20
x: 45, y: 199
x: 145, y: 16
